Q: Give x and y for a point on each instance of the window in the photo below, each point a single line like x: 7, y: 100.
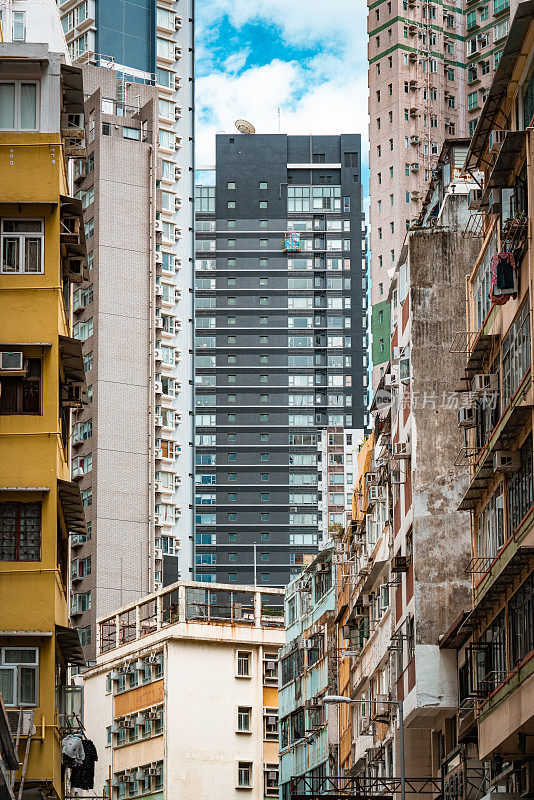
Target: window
x: 22, y: 245
x: 131, y: 133
x: 21, y: 394
x: 244, y: 775
x: 18, y: 106
x: 20, y: 531
x: 243, y: 719
x: 231, y: 185
x: 263, y: 203
x: 19, y: 676
x: 520, y: 616
x: 263, y: 184
x: 18, y: 31
x: 515, y: 354
x: 244, y: 664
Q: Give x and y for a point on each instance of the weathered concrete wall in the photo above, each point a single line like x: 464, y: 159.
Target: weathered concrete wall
x: 439, y: 262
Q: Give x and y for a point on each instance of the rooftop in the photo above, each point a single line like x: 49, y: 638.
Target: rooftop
x: 185, y: 602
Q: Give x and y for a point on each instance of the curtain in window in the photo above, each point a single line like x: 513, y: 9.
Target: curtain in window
x: 7, y: 106
x: 28, y: 106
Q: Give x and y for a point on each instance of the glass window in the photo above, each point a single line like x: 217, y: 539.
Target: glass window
x: 22, y: 242
x: 20, y: 531
x: 19, y: 676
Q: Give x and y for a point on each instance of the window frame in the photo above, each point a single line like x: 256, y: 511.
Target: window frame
x: 17, y: 104
x: 21, y: 238
x: 15, y: 669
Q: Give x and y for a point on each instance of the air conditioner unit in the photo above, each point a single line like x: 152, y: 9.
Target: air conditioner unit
x: 159, y: 257
x: 396, y: 353
x: 413, y: 57
x: 377, y: 493
x: 153, y: 714
x: 178, y: 112
x: 157, y: 486
x: 153, y: 771
x: 506, y: 461
x: 159, y: 290
x: 402, y: 450
x: 414, y: 139
x: 484, y: 383
x: 114, y: 676
x: 11, y: 361
x: 475, y: 196
x: 400, y: 564
x: 157, y: 354
x: 158, y: 453
x: 158, y: 387
x: 177, y: 203
x: 158, y: 554
x: 365, y: 725
x: 158, y: 420
x: 382, y: 709
x: 157, y: 521
x: 496, y: 138
x: 159, y: 323
x: 158, y: 226
x: 126, y: 723
x: 467, y: 417
x: 391, y: 379
x: 414, y: 167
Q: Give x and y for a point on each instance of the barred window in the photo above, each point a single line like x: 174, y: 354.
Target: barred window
x: 520, y: 621
x: 20, y: 531
x: 515, y: 354
x: 520, y: 495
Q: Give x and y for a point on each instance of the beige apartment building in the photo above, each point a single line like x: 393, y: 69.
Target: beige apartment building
x: 430, y: 66
x: 183, y: 700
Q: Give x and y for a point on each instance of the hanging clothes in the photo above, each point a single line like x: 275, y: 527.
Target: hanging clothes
x: 82, y: 776
x: 72, y: 750
x: 504, y: 280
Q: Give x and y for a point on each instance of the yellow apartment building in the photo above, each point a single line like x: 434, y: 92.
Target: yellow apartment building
x: 42, y: 385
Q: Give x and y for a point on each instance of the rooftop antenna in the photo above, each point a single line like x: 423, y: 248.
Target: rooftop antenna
x: 244, y: 127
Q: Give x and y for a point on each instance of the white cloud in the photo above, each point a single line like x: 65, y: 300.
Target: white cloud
x: 300, y: 24
x: 306, y: 105
x: 323, y: 94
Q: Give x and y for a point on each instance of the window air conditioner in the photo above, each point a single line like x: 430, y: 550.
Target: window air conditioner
x: 158, y: 453
x: 158, y: 420
x: 157, y: 354
x: 414, y: 139
x: 391, y: 380
x: 153, y: 771
x: 466, y: 417
x: 159, y: 323
x: 158, y: 387
x: 485, y: 382
x: 158, y: 226
x: 496, y: 138
x: 475, y: 196
x: 377, y: 493
x: 365, y: 725
x: 400, y: 564
x: 159, y: 258
x: 396, y: 353
x: 401, y: 450
x: 157, y: 519
x: 158, y: 553
x: 382, y: 709
x: 11, y: 361
x: 159, y: 290
x: 506, y: 461
x: 157, y: 486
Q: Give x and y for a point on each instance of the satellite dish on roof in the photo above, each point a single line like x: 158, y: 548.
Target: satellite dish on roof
x: 244, y: 127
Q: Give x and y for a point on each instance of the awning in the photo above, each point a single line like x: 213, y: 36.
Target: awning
x: 24, y: 488
x: 71, y: 503
x: 25, y: 344
x: 70, y: 351
x: 68, y: 641
x: 455, y: 638
x: 493, y: 114
x: 499, y: 588
x: 72, y: 89
x: 512, y: 150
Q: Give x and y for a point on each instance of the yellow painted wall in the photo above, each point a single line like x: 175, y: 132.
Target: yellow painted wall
x: 32, y: 595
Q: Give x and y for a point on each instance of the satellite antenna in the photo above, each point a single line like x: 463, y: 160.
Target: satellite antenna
x: 244, y: 127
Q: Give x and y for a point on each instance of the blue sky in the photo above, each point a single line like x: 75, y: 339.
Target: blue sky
x: 306, y: 58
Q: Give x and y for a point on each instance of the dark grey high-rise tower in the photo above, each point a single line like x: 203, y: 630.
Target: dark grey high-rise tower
x: 280, y: 342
